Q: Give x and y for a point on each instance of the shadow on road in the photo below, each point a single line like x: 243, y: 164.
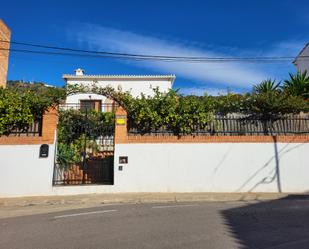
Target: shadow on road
x: 282, y: 223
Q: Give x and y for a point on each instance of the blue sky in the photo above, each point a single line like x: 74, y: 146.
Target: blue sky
x: 182, y: 28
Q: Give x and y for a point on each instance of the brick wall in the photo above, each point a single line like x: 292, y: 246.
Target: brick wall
x: 121, y: 137
x: 49, y: 126
x: 5, y: 34
x: 121, y: 133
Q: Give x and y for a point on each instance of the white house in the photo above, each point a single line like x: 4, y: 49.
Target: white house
x: 302, y: 60
x: 135, y: 84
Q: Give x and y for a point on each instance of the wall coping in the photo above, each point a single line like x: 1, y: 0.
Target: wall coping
x: 215, y: 139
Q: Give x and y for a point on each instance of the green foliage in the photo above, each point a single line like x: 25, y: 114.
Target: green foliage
x: 272, y: 105
x: 192, y: 113
x: 185, y: 114
x: 75, y: 127
x: 15, y: 110
x: 74, y: 122
x: 267, y: 86
x: 23, y: 103
x: 169, y: 111
x: 68, y: 154
x: 152, y: 113
x: 297, y: 85
x: 230, y: 103
x: 45, y: 96
x: 21, y: 106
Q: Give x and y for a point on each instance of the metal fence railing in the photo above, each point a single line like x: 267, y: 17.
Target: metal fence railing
x: 239, y: 124
x: 105, y: 107
x: 33, y: 130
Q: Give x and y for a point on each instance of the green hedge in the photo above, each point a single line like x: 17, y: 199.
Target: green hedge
x: 20, y: 106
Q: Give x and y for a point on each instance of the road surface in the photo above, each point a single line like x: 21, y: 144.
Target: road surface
x: 267, y: 224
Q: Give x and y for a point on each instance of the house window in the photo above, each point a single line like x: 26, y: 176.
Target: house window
x: 90, y: 105
x: 109, y: 105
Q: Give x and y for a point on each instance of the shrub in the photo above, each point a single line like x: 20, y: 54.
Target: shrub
x: 16, y: 110
x: 74, y: 128
x: 21, y: 106
x: 297, y: 85
x: 168, y: 111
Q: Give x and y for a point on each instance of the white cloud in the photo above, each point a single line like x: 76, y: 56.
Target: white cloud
x: 235, y: 75
x: 287, y: 48
x: 201, y: 90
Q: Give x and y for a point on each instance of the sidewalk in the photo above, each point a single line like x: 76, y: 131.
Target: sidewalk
x: 11, y: 207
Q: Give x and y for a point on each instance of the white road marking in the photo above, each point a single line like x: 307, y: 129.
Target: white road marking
x: 173, y: 206
x: 86, y: 213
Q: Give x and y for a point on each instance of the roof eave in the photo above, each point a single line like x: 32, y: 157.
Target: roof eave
x: 71, y: 76
x: 299, y: 54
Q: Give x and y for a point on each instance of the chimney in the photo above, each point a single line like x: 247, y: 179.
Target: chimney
x: 79, y: 71
x: 5, y: 37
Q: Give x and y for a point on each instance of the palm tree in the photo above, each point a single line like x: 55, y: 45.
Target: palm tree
x: 267, y: 86
x: 297, y: 85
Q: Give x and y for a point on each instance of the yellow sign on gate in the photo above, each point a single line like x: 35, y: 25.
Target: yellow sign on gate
x: 120, y: 121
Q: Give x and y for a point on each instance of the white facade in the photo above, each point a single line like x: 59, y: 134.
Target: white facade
x: 301, y: 61
x: 174, y: 167
x: 135, y: 84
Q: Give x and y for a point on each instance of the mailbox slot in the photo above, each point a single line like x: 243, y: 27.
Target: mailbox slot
x: 44, y: 150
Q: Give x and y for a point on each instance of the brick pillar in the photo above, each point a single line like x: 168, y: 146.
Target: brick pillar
x: 5, y: 35
x: 49, y: 124
x: 121, y: 133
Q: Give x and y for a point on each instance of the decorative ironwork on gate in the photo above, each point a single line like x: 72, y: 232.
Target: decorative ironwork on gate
x: 85, y: 145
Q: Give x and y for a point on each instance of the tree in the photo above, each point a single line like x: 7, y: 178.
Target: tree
x: 23, y: 104
x: 297, y: 85
x: 267, y: 86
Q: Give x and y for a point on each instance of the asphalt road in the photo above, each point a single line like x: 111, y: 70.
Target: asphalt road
x: 268, y: 224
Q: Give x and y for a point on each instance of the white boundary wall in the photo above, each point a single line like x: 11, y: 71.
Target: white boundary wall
x: 206, y: 167
x: 213, y: 167
x: 182, y: 167
x: 23, y: 173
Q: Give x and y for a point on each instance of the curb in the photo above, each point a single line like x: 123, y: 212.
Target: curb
x: 137, y: 198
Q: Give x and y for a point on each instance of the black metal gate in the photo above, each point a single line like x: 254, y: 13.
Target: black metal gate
x: 85, y: 145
